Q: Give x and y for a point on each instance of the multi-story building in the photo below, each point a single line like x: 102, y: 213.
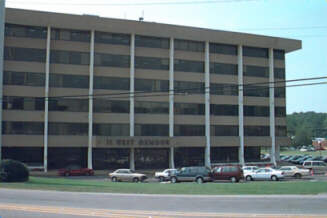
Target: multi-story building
x: 109, y: 93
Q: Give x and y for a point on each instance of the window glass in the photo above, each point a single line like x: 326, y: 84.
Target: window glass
x: 256, y: 131
x: 255, y: 91
x: 104, y: 129
x: 279, y: 73
x: 188, y: 45
x: 22, y: 128
x: 151, y: 85
x: 281, y: 130
x: 256, y: 71
x: 189, y: 66
x: 151, y: 130
x: 189, y: 108
x: 68, y: 128
x: 64, y: 104
x: 256, y: 111
x: 188, y: 87
x: 224, y: 130
x: 24, y: 54
x: 25, y: 31
x: 22, y: 103
x: 223, y: 89
x: 280, y: 92
x: 151, y: 42
x: 189, y: 130
x: 112, y: 38
x: 24, y: 78
x: 111, y: 83
x: 221, y: 68
x: 280, y: 111
x: 69, y: 57
x: 68, y: 81
x: 255, y: 52
x: 151, y: 107
x: 223, y: 49
x: 70, y: 35
x: 151, y: 63
x: 110, y: 106
x: 111, y: 60
x: 279, y: 54
x: 223, y: 110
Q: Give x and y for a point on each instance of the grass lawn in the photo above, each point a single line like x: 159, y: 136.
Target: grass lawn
x: 312, y: 153
x: 63, y: 184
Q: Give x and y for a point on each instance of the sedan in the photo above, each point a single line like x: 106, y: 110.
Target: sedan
x: 127, y: 175
x: 293, y: 171
x: 75, y: 170
x: 264, y: 174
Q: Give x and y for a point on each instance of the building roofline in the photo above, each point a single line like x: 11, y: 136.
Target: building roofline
x: 88, y: 22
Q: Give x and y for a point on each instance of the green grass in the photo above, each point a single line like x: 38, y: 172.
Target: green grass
x: 312, y: 153
x: 63, y: 184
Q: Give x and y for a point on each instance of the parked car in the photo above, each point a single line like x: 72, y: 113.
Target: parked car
x: 232, y: 173
x: 264, y: 174
x: 164, y: 175
x: 316, y: 166
x: 75, y: 170
x: 127, y: 175
x: 190, y: 174
x: 294, y: 171
x: 247, y: 169
x: 300, y: 161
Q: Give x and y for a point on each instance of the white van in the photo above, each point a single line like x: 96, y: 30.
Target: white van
x: 316, y: 166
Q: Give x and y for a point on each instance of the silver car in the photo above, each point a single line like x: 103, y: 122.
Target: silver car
x: 264, y: 174
x: 127, y: 175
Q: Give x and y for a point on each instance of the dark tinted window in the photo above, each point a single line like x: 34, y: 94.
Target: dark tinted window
x: 151, y: 63
x: 22, y: 103
x: 68, y: 81
x: 151, y: 42
x: 189, y: 66
x: 111, y: 83
x: 279, y: 54
x: 224, y: 130
x: 112, y: 38
x: 223, y: 110
x: 280, y: 92
x: 189, y: 108
x: 22, y: 128
x: 223, y: 49
x: 110, y: 129
x: 256, y: 131
x: 151, y: 107
x: 24, y: 78
x: 25, y: 31
x: 220, y: 68
x: 280, y: 111
x: 279, y: 73
x: 70, y: 35
x: 256, y: 71
x: 110, y: 106
x: 255, y: 91
x: 189, y: 130
x: 255, y: 52
x: 188, y: 87
x: 74, y: 105
x: 223, y: 89
x: 151, y: 130
x: 188, y: 45
x: 256, y: 111
x: 281, y: 131
x: 69, y: 57
x: 151, y: 85
x: 24, y: 54
x: 68, y: 128
x: 111, y: 60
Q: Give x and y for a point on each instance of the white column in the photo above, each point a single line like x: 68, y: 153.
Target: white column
x: 272, y: 106
x: 2, y: 33
x: 46, y: 102
x: 207, y: 105
x: 240, y: 105
x: 131, y: 98
x: 171, y: 101
x: 91, y: 71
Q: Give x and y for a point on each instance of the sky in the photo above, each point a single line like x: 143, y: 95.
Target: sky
x: 305, y: 20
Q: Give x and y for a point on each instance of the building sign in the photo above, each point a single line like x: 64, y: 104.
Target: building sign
x: 133, y: 142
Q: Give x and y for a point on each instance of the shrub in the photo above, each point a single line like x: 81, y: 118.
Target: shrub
x: 13, y: 171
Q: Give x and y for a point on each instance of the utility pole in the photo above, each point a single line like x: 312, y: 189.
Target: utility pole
x: 2, y: 35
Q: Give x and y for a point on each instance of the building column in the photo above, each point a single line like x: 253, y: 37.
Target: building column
x: 240, y: 105
x: 131, y: 99
x: 2, y: 35
x: 91, y: 71
x: 171, y: 102
x: 272, y: 106
x: 207, y: 105
x: 46, y: 102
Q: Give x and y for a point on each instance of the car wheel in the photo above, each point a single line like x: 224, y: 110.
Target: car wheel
x: 136, y: 180
x: 114, y: 179
x: 298, y: 176
x: 161, y: 179
x: 274, y: 178
x: 173, y: 179
x: 248, y: 178
x: 66, y: 174
x: 233, y: 179
x: 199, y: 180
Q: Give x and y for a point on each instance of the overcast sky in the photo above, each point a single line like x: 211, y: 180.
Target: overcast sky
x: 305, y: 20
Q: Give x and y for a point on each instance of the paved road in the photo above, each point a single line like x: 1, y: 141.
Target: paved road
x: 28, y: 203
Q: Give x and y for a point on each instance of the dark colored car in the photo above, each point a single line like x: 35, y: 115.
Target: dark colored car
x: 75, y: 170
x: 232, y: 173
x: 191, y: 174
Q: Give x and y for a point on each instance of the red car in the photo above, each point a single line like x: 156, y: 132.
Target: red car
x: 75, y: 170
x: 232, y: 173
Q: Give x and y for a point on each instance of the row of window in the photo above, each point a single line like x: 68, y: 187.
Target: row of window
x: 140, y: 41
x: 36, y: 128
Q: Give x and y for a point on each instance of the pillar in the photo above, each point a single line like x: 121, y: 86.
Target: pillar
x: 90, y: 134
x: 272, y: 106
x: 131, y: 98
x: 171, y: 101
x: 240, y: 105
x: 207, y: 105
